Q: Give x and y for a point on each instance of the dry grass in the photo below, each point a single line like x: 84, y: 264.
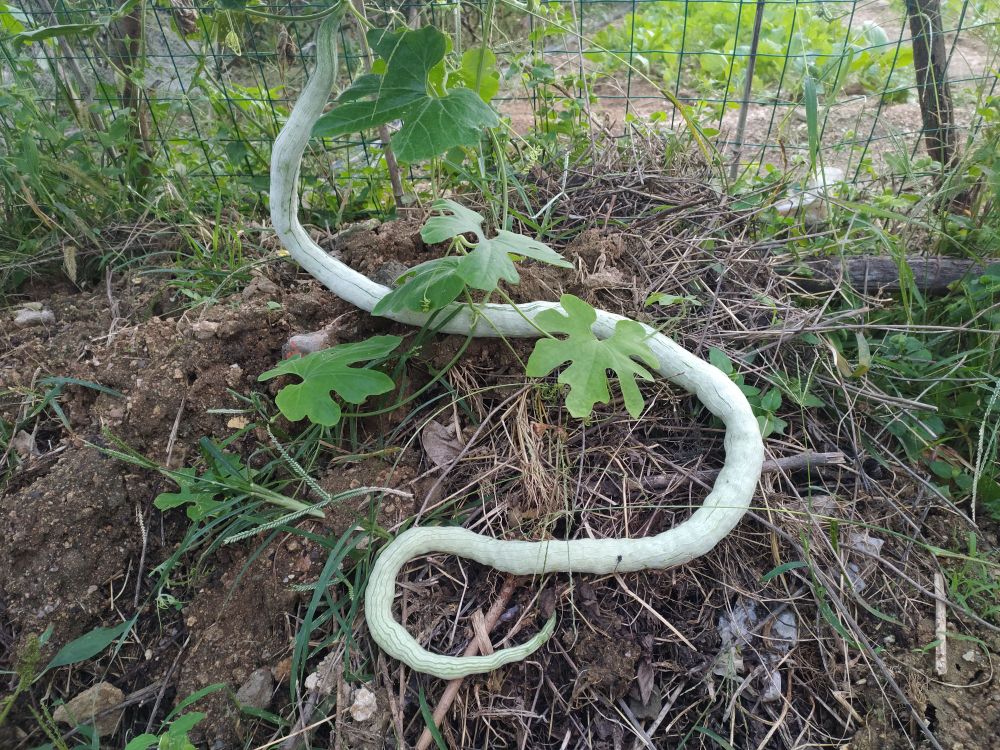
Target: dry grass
x: 638, y: 660
x: 836, y: 559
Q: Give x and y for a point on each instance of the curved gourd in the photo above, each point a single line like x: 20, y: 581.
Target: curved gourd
x: 722, y: 509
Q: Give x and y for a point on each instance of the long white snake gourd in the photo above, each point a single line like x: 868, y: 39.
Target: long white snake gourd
x: 720, y: 512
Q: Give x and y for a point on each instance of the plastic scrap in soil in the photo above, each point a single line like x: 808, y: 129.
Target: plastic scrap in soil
x: 811, y: 199
x: 870, y: 547
x: 364, y: 705
x: 751, y: 630
x: 441, y: 444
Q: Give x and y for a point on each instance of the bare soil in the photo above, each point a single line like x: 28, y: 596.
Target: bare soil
x: 80, y: 537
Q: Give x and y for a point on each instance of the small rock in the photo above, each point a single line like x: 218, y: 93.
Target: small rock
x: 234, y: 375
x: 205, y: 329
x: 92, y: 703
x: 28, y: 318
x: 257, y: 691
x: 970, y: 656
x: 307, y: 343
x: 387, y: 273
x: 364, y: 705
x: 368, y: 225
x: 261, y: 287
x: 25, y: 446
x: 282, y: 671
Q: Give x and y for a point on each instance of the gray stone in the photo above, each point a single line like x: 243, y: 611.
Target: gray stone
x: 258, y: 690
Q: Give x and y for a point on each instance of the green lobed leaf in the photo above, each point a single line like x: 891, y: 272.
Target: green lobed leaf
x: 330, y: 371
x: 436, y: 283
x: 454, y: 220
x: 432, y: 126
x: 401, y: 89
x: 518, y: 244
x: 591, y: 358
x: 485, y: 266
x: 194, y: 492
x: 492, y: 260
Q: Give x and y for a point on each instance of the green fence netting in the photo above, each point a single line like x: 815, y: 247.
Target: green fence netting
x: 215, y: 82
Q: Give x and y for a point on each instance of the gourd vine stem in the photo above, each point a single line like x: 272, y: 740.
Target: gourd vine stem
x: 721, y: 510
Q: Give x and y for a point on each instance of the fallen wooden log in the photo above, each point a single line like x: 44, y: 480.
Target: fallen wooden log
x: 869, y: 273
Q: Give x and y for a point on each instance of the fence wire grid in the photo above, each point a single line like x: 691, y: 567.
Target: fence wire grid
x: 216, y: 83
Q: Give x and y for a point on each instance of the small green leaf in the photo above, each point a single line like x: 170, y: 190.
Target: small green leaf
x: 427, y: 287
x: 665, y: 300
x: 329, y: 371
x: 718, y: 358
x: 142, y: 742
x: 176, y: 737
x: 89, y: 645
x: 232, y: 41
x: 771, y: 425
x: 864, y: 356
x: 771, y: 401
x: 472, y: 61
x: 591, y: 357
x: 781, y: 569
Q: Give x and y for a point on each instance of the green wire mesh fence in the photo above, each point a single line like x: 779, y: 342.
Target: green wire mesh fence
x: 213, y: 83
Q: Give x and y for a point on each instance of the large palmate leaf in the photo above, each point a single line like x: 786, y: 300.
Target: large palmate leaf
x: 408, y: 86
x: 590, y: 357
x: 436, y: 283
x: 329, y: 371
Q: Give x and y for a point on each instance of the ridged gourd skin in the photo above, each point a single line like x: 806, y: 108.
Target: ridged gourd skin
x: 722, y: 509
